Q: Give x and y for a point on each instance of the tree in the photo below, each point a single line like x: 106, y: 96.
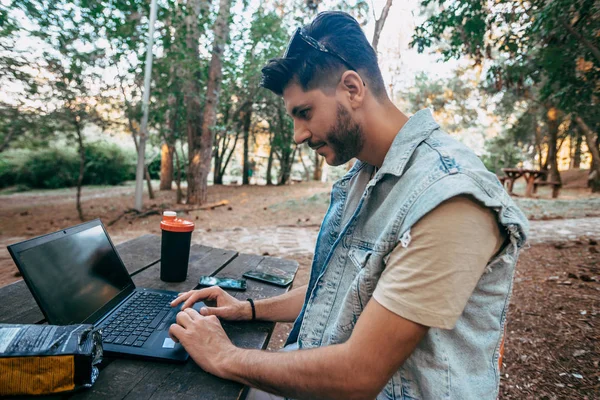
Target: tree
x: 68, y: 63
x: 21, y: 125
x: 592, y: 143
x: 201, y: 141
x: 538, y: 51
x: 451, y: 100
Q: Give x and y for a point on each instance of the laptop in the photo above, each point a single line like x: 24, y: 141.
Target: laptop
x: 77, y: 277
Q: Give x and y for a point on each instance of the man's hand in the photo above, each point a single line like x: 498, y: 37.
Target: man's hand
x: 228, y: 307
x: 204, y: 339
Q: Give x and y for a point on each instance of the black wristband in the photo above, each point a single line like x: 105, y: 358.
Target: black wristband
x: 253, y: 309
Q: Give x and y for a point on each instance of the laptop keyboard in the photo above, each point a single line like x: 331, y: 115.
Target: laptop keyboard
x: 135, y: 321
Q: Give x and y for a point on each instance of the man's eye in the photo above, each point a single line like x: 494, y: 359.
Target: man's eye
x: 303, y: 114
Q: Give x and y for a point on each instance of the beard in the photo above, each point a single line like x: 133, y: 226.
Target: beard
x: 345, y: 138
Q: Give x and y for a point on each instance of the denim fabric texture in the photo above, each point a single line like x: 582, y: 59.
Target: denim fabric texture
x: 423, y: 168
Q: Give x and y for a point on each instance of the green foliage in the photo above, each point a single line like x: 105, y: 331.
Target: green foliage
x: 543, y: 51
x: 107, y: 164
x: 539, y: 56
x: 56, y: 167
x: 50, y: 168
x: 450, y: 99
x: 11, y: 162
x: 501, y: 152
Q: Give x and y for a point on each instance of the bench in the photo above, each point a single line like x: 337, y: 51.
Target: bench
x: 509, y: 186
x: 555, y: 187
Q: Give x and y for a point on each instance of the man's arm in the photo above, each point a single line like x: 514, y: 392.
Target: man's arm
x: 282, y: 308
x: 357, y: 369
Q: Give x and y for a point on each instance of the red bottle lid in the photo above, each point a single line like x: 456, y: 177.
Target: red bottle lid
x: 171, y: 223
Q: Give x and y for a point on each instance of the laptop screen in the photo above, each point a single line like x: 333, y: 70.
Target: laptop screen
x: 74, y: 275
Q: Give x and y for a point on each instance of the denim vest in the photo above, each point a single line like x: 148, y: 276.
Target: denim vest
x: 423, y: 168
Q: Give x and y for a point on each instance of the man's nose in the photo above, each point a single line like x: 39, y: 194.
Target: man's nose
x: 301, y: 133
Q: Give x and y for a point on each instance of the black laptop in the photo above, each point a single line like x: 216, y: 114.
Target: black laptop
x: 76, y: 276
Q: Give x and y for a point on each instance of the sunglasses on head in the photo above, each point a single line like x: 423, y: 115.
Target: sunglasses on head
x: 301, y: 36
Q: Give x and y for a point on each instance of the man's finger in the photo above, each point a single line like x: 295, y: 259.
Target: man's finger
x: 180, y: 297
x: 210, y: 293
x: 183, y: 319
x: 175, y: 331
x: 192, y: 313
x: 222, y: 312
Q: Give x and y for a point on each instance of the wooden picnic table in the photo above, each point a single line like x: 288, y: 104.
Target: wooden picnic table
x: 143, y: 379
x: 530, y: 176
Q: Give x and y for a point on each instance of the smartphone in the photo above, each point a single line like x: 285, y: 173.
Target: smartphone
x: 225, y: 283
x: 280, y: 279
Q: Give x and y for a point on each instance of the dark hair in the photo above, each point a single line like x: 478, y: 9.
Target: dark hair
x: 311, y: 68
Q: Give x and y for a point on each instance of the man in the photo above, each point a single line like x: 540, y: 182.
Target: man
x: 414, y: 261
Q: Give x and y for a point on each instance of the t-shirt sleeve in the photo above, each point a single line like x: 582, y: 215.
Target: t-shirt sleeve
x: 430, y: 281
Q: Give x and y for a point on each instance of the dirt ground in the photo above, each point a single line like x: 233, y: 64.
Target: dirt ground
x: 551, y: 350
x: 29, y: 214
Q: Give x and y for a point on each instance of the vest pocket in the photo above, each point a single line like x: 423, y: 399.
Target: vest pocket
x: 359, y: 256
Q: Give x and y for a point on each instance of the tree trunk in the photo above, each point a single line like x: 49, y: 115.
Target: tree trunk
x: 217, y: 177
x: 178, y: 179
x: 166, y: 156
x: 191, y: 98
x: 270, y: 166
x: 133, y: 132
x: 317, y: 173
x: 224, y: 160
x: 81, y: 151
x: 146, y: 172
x: 287, y: 161
x: 576, y: 159
x: 166, y: 167
x: 538, y: 139
x: 218, y: 157
x: 594, y: 178
x: 553, y: 123
x: 306, y: 170
x: 246, y: 162
x: 379, y: 24
x: 201, y: 149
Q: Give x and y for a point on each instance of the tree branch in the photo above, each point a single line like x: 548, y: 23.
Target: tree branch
x: 595, y: 51
x: 379, y: 24
x: 7, y: 139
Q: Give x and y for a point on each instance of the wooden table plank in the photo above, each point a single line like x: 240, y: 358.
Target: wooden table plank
x: 140, y: 253
x: 20, y: 306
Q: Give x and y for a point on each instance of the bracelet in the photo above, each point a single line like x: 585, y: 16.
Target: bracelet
x: 253, y: 309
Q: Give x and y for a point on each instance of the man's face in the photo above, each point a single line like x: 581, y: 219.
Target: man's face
x: 324, y: 123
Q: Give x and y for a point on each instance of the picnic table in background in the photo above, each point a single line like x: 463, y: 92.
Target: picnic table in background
x: 144, y: 379
x: 530, y: 176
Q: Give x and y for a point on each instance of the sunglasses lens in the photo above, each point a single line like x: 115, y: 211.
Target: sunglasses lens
x: 292, y: 44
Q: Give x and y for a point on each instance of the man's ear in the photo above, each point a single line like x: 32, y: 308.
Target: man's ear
x: 353, y: 88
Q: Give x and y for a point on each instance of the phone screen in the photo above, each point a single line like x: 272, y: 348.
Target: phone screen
x: 225, y: 283
x: 279, y: 279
